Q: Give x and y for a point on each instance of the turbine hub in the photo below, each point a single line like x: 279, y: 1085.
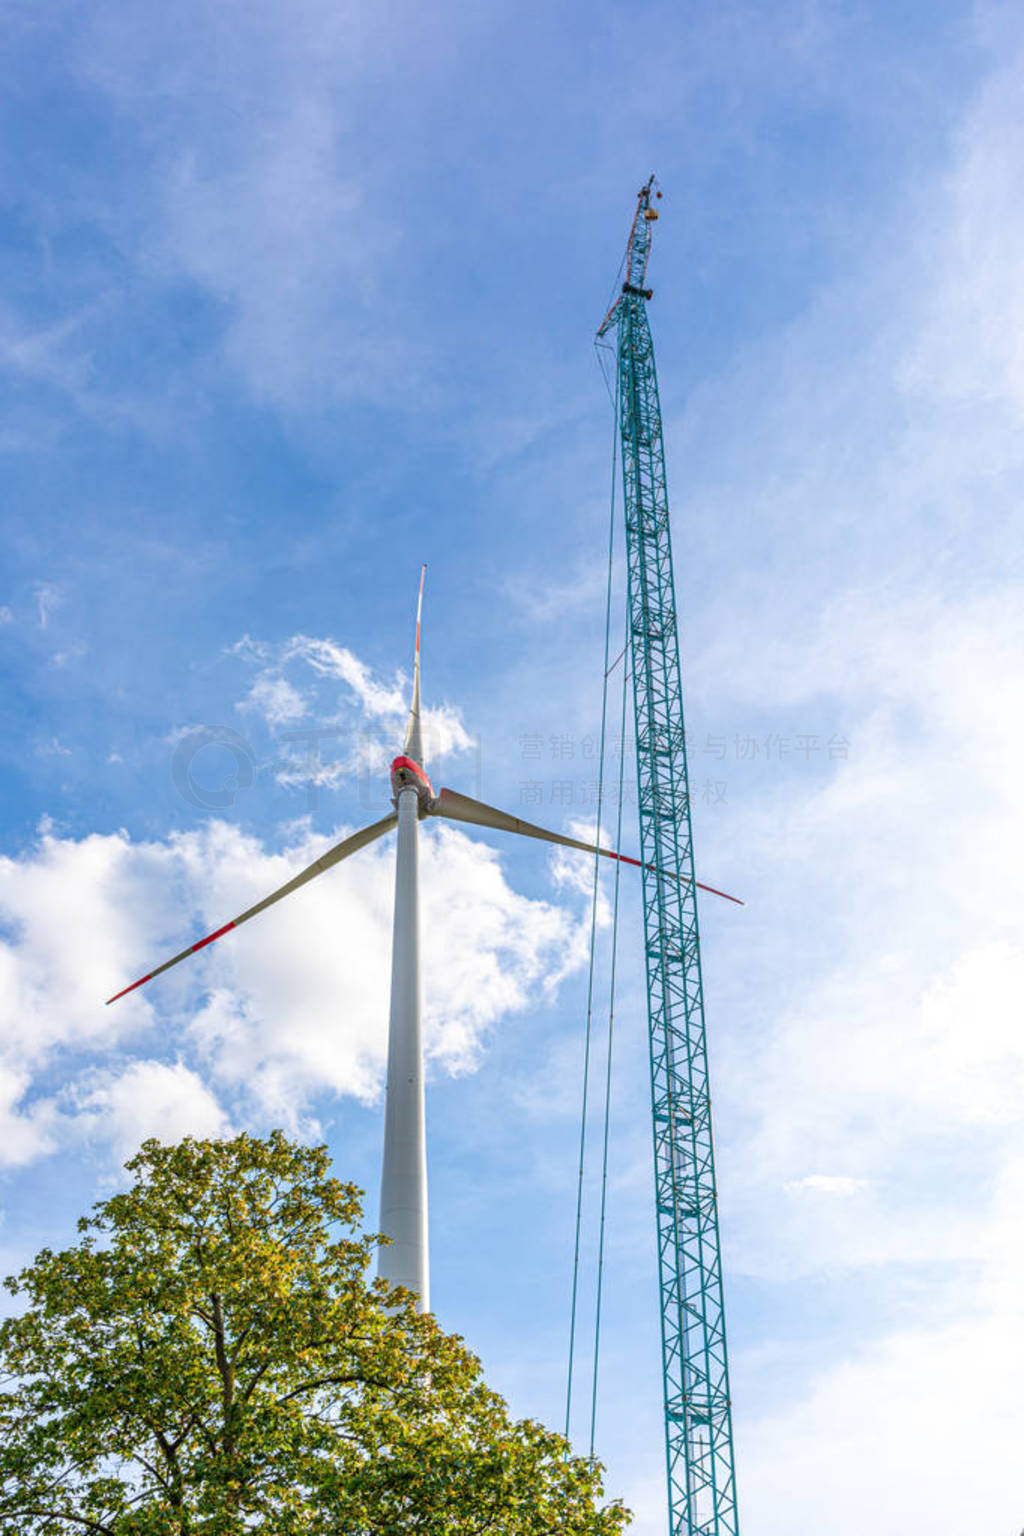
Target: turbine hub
x: 406, y: 773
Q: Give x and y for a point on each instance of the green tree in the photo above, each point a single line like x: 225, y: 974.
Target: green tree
x: 212, y: 1359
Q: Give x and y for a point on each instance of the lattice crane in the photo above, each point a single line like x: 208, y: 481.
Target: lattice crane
x: 698, y: 1417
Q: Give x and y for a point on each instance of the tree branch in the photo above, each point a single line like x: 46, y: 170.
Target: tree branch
x: 333, y: 1381
x: 64, y: 1514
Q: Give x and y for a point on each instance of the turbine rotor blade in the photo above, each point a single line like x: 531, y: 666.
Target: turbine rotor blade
x: 413, y: 736
x: 326, y: 861
x: 455, y: 807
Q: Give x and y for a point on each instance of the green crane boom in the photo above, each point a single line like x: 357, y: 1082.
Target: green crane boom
x: 698, y: 1418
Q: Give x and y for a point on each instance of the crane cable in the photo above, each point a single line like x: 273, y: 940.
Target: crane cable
x: 608, y: 1057
x: 588, y: 1034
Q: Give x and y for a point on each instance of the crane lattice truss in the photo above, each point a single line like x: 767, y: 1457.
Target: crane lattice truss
x: 698, y: 1420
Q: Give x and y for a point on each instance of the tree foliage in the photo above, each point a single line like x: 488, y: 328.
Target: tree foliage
x: 212, y: 1359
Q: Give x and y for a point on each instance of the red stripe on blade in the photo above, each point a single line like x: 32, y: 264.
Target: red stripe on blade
x: 724, y: 894
x: 711, y: 889
x: 624, y: 858
x: 129, y: 989
x: 211, y: 936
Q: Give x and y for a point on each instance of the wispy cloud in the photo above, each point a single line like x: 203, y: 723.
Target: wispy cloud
x: 48, y: 599
x: 267, y: 200
x: 885, y: 1407
x: 347, y: 732
x: 51, y: 355
x: 545, y: 599
x: 328, y: 659
x: 829, y: 1184
x: 275, y: 700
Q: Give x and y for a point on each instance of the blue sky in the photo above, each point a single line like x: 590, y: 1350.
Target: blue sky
x: 294, y: 299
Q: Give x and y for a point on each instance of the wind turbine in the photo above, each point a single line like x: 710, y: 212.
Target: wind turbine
x: 403, y: 1198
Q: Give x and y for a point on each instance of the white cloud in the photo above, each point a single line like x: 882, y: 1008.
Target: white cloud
x: 48, y: 599
x: 53, y: 748
x: 881, y: 1440
x: 973, y: 343
x: 294, y: 198
x: 25, y: 1128
x: 311, y: 1008
x: 148, y: 1098
x: 444, y: 734
x: 275, y: 699
x: 908, y: 1036
x: 50, y: 354
x: 291, y: 1006
x: 329, y: 659
x: 299, y: 680
x: 841, y: 1185
x: 488, y: 949
x: 263, y: 194
x: 69, y: 911
x: 544, y: 599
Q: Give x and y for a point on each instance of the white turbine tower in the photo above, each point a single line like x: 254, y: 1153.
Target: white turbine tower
x: 403, y: 1199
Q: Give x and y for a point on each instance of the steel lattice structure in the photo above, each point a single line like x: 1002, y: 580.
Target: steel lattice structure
x: 698, y: 1419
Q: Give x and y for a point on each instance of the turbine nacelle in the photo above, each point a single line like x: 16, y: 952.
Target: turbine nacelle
x: 406, y: 773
